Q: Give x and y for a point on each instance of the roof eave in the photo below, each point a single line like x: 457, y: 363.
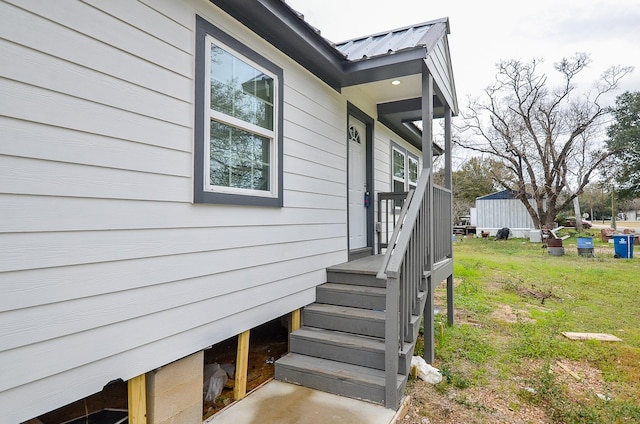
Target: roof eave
x: 282, y: 27
x: 392, y: 65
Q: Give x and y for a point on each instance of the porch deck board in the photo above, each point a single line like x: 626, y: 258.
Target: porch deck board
x: 367, y: 265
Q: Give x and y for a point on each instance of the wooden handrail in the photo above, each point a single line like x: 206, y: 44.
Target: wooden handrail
x: 394, y: 237
x: 403, y: 268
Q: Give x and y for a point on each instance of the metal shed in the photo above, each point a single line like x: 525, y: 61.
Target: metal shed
x: 503, y: 209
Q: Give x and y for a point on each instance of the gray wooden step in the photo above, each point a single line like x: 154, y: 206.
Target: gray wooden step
x: 345, y: 347
x: 338, y: 346
x: 345, y: 277
x: 361, y: 272
x: 335, y: 377
x: 352, y: 295
x: 344, y: 318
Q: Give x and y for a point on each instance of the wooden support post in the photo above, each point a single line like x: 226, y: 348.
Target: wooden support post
x: 295, y: 320
x: 450, y: 309
x: 137, y: 398
x: 429, y: 337
x: 242, y: 362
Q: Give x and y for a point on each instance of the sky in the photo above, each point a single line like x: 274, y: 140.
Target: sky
x: 485, y: 32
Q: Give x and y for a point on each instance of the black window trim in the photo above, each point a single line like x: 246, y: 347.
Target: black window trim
x: 204, y: 28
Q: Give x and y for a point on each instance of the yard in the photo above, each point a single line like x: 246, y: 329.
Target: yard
x: 506, y: 360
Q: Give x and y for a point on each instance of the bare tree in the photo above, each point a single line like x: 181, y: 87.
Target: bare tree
x: 546, y: 139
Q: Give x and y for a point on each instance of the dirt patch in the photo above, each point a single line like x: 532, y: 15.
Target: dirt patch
x: 535, y: 292
x: 500, y: 401
x: 491, y: 403
x: 582, y: 380
x: 508, y: 314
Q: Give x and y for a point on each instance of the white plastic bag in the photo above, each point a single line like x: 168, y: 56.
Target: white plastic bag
x: 425, y: 371
x: 230, y: 369
x: 214, y: 381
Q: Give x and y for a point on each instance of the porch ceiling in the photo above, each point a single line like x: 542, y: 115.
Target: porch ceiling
x: 401, y: 105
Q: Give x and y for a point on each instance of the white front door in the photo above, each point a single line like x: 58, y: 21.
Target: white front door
x: 357, y: 183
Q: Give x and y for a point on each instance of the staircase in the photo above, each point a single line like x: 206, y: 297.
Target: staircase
x: 341, y: 346
x: 358, y: 338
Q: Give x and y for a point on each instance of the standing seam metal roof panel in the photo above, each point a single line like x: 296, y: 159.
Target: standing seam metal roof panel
x: 385, y: 43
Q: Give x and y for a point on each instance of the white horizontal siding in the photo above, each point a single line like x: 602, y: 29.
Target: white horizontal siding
x: 179, y: 11
x: 36, y: 287
x: 296, y: 130
x: 98, y: 25
x: 310, y: 184
x: 320, y: 105
x: 23, y: 213
x: 57, y: 75
x: 321, y: 130
x: 38, y: 33
x: 18, y: 403
x: 316, y: 154
x: 29, y: 103
x: 106, y: 266
x: 139, y: 15
x: 38, y: 250
x: 46, y: 178
x: 303, y: 166
x: 39, y: 141
x: 301, y: 199
x: 119, y: 335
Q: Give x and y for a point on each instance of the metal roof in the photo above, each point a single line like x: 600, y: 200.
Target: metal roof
x: 387, y: 43
x: 502, y: 195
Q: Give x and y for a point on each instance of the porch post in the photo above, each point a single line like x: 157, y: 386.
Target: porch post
x: 448, y: 179
x: 448, y: 175
x: 427, y: 117
x: 427, y: 163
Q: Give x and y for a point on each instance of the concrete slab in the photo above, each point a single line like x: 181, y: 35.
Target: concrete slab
x: 284, y: 403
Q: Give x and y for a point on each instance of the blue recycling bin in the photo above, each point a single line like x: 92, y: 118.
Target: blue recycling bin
x: 623, y: 245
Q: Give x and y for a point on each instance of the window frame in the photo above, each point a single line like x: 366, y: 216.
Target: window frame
x: 395, y: 179
x: 204, y: 192
x: 412, y: 158
x: 408, y: 157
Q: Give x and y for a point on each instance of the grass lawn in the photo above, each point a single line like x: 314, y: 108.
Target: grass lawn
x: 505, y: 359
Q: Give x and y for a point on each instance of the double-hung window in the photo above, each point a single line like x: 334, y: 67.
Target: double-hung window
x: 404, y: 169
x: 238, y: 123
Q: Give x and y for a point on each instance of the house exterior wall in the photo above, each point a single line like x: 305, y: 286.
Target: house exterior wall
x: 632, y: 215
x: 493, y: 214
x: 107, y: 268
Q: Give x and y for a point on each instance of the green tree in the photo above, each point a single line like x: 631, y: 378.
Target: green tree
x: 624, y: 145
x: 472, y: 180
